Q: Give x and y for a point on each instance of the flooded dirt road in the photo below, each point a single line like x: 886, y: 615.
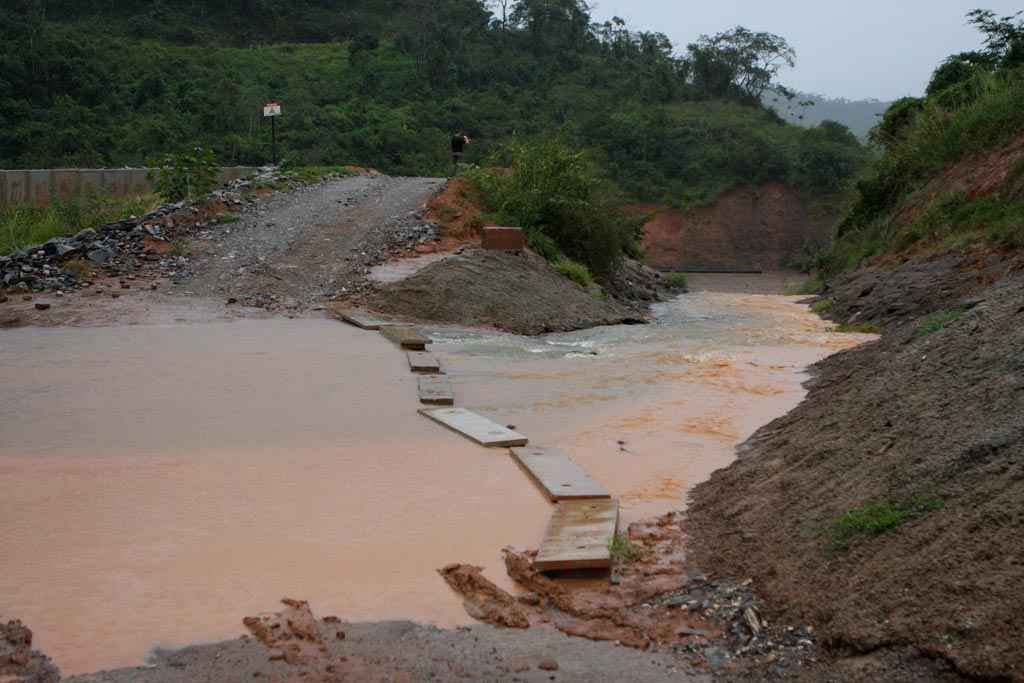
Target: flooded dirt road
x: 162, y: 481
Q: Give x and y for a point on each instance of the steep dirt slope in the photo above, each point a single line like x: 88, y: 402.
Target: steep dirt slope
x: 928, y: 421
x: 749, y: 228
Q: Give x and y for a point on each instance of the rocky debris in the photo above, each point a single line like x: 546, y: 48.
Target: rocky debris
x: 884, y: 294
x: 483, y: 600
x: 126, y: 246
x: 19, y: 663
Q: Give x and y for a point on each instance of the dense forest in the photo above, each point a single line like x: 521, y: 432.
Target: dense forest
x: 384, y: 83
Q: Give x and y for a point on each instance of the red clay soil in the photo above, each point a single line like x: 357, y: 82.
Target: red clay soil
x: 976, y: 176
x: 750, y: 228
x: 606, y: 612
x: 457, y: 211
x: 926, y: 421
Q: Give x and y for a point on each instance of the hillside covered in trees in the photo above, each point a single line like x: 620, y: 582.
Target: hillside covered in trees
x: 384, y: 83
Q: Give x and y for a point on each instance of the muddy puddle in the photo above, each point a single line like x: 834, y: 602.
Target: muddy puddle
x: 162, y: 482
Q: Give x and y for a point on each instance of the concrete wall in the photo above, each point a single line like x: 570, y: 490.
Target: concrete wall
x: 40, y: 187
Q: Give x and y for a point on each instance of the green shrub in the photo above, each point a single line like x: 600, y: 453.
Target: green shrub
x: 876, y: 518
x: 544, y: 245
x: 577, y: 272
x: 186, y: 175
x: 677, y: 280
x: 822, y: 307
x: 556, y: 191
x: 938, y: 320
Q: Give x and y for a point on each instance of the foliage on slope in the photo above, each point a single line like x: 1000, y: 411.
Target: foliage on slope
x: 974, y: 109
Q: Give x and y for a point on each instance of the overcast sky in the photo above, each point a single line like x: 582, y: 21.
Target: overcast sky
x: 845, y: 48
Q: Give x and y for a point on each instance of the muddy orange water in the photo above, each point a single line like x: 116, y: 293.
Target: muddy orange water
x: 161, y: 482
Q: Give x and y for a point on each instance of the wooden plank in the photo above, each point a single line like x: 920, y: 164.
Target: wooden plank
x: 436, y: 390
x: 408, y: 338
x: 476, y: 427
x: 360, y: 319
x: 557, y: 475
x: 424, y: 363
x: 578, y: 536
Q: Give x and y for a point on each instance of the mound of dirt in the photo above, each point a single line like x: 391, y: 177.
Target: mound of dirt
x: 922, y: 434
x: 513, y: 291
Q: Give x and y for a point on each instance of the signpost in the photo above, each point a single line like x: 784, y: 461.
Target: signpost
x: 272, y: 110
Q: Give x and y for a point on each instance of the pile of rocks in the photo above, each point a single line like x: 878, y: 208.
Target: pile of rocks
x: 116, y: 248
x: 749, y: 636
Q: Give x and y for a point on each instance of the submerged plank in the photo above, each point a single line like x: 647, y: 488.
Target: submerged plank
x: 558, y: 476
x: 578, y: 536
x: 408, y: 338
x: 424, y: 363
x: 436, y: 390
x: 476, y: 427
x: 360, y: 319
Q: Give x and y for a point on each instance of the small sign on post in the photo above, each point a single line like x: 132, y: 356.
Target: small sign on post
x: 272, y: 110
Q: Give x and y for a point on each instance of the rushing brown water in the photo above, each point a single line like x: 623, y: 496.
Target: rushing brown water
x: 160, y: 483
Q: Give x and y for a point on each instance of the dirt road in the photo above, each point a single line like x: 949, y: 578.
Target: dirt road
x: 302, y: 248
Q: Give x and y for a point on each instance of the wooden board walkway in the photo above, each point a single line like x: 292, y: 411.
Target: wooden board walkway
x: 558, y: 476
x: 423, y: 363
x: 476, y: 427
x: 578, y: 536
x: 361, y: 319
x: 408, y: 338
x: 436, y: 390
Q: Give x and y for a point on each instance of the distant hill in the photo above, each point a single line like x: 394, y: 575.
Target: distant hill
x: 807, y: 109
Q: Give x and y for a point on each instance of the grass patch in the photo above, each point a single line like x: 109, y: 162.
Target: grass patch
x: 577, y: 272
x: 307, y: 175
x: 859, y: 328
x: 24, y: 225
x: 808, y: 287
x: 625, y: 551
x: 822, y: 307
x: 876, y: 518
x: 938, y: 320
x: 677, y: 280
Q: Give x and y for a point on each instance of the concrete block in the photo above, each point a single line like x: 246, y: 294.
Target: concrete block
x: 65, y: 183
x: 40, y: 192
x: 504, y: 239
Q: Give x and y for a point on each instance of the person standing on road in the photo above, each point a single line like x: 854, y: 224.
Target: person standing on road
x: 459, y: 142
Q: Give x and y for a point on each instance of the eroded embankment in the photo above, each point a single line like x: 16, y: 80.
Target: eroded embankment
x: 887, y: 508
